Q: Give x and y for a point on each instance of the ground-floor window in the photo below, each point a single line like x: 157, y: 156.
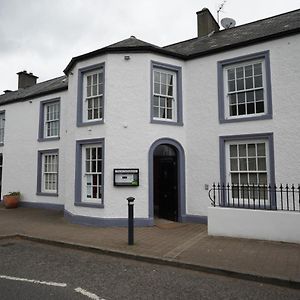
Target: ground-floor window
x: 247, y: 167
x: 48, y: 172
x: 89, y: 173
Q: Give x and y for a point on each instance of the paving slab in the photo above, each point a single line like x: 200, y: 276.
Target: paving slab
x: 185, y: 245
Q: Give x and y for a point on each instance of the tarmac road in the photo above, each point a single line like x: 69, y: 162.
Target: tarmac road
x: 37, y: 271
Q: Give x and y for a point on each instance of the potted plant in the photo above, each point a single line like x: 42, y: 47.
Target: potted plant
x: 11, y: 200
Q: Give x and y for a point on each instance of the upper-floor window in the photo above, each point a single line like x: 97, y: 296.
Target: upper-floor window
x: 244, y: 88
x: 166, y: 95
x: 90, y: 105
x: 2, y: 123
x: 49, y: 119
x: 94, y: 89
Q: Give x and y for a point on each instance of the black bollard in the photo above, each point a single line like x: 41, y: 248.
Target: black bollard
x: 130, y: 221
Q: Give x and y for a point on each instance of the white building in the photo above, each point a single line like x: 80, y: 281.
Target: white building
x: 222, y: 107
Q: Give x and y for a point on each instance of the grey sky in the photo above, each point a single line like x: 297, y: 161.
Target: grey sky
x: 41, y: 36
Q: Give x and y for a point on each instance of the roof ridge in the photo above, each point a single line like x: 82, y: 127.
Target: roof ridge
x: 246, y: 24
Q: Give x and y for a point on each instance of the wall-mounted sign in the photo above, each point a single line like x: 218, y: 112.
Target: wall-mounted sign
x: 126, y: 177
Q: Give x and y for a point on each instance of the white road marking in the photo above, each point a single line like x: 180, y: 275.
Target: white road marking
x: 88, y: 294
x: 58, y: 284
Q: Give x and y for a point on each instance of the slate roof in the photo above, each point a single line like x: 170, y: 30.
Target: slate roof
x: 131, y: 44
x: 37, y: 90
x: 258, y: 31
x: 255, y: 32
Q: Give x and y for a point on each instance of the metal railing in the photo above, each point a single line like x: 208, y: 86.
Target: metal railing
x: 266, y: 197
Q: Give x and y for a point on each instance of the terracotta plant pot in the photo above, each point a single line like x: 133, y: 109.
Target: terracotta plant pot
x: 10, y: 201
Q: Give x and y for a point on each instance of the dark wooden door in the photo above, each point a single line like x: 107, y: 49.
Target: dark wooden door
x: 166, y: 187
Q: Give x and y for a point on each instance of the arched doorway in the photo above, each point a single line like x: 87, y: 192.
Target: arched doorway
x: 166, y: 180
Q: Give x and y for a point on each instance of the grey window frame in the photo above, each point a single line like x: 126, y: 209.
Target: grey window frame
x: 245, y: 137
x: 2, y: 112
x: 178, y: 71
x: 80, y: 101
x: 264, y: 55
x: 39, y: 191
x: 78, y: 172
x: 41, y: 133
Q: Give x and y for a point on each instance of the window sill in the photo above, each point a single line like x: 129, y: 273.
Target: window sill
x: 83, y: 124
x: 244, y: 119
x: 89, y: 204
x: 167, y: 122
x: 47, y: 194
x: 48, y: 139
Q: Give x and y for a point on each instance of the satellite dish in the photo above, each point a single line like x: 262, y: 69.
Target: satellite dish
x: 228, y: 23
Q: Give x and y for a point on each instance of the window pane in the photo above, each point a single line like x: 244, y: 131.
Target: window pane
x: 162, y: 102
x: 232, y: 98
x: 261, y: 151
x: 155, y: 100
x: 170, y: 79
x: 233, y: 164
x: 251, y: 150
x: 248, y: 70
x: 252, y: 164
x: 169, y: 103
x: 263, y: 178
x: 231, y: 86
x: 230, y: 74
x: 242, y: 150
x: 170, y: 90
x: 169, y: 113
x: 156, y: 88
x: 262, y: 164
x: 260, y: 107
x: 234, y: 178
x: 258, y: 81
x: 259, y: 95
x: 243, y: 164
x: 156, y: 76
x: 244, y: 179
x: 233, y: 110
x: 252, y: 179
x: 250, y: 96
x: 257, y: 69
x: 155, y: 112
x: 240, y: 84
x: 163, y: 78
x: 249, y: 83
x: 163, y: 89
x: 242, y: 109
x: 241, y: 97
x: 233, y: 150
x: 240, y: 72
x: 250, y: 108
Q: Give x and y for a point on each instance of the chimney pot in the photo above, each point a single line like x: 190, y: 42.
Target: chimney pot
x: 26, y: 79
x: 206, y: 22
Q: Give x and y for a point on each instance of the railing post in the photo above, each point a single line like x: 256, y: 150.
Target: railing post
x: 130, y: 221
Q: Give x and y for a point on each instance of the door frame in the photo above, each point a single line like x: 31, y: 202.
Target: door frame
x: 180, y: 179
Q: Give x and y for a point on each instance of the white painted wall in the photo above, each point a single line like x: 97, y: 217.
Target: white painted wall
x: 20, y: 150
x: 127, y: 102
x: 202, y: 124
x: 254, y: 224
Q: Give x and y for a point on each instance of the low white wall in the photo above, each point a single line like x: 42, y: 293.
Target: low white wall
x: 254, y: 224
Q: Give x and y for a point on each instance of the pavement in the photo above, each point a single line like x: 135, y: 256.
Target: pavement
x: 177, y: 244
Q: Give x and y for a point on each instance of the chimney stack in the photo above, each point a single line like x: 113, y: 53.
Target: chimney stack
x: 26, y: 79
x: 206, y: 23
